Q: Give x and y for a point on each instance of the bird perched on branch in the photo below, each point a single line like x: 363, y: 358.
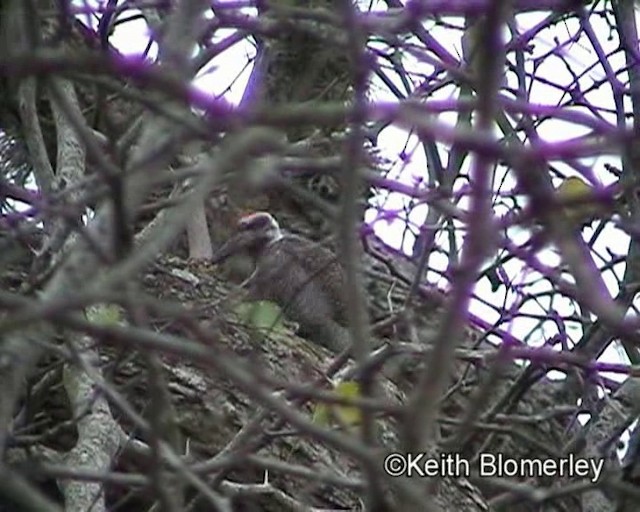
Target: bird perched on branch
x: 302, y: 277
x: 577, y: 204
x: 580, y: 202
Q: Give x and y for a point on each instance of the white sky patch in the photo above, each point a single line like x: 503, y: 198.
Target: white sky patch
x: 227, y: 74
x: 132, y: 38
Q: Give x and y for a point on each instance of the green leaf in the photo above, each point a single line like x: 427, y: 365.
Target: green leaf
x: 104, y: 314
x: 342, y: 414
x: 262, y: 314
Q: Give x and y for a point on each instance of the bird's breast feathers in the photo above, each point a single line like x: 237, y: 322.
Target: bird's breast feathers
x: 293, y: 257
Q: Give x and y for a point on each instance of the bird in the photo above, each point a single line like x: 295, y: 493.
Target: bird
x: 580, y: 202
x: 302, y: 277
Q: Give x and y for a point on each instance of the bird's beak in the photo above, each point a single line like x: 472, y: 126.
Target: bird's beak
x: 233, y: 245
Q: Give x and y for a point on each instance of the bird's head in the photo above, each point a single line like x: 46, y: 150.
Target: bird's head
x: 253, y: 233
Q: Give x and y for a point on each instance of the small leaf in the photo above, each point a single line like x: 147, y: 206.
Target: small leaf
x: 346, y: 414
x: 321, y: 415
x: 104, y: 314
x: 243, y: 310
x: 343, y: 415
x: 262, y: 314
x: 492, y: 275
